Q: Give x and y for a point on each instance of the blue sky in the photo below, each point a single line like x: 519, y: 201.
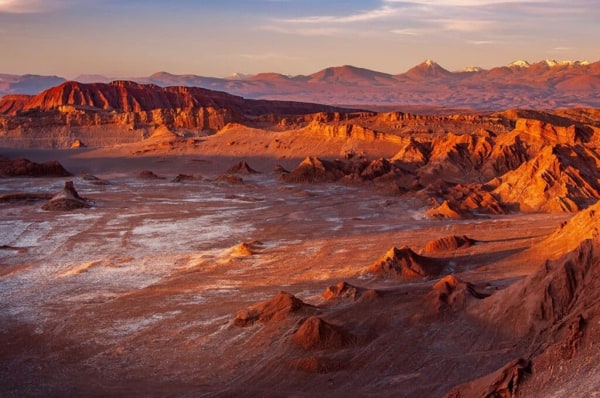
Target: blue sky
x: 216, y: 38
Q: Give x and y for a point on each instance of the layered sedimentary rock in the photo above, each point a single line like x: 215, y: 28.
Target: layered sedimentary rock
x: 124, y: 111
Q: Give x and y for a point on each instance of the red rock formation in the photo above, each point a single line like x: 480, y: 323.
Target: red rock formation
x: 241, y: 168
x: 246, y: 249
x: 405, y: 264
x: 504, y: 383
x: 457, y: 157
x: 127, y: 96
x: 128, y: 107
x: 185, y: 177
x: 316, y: 334
x: 464, y: 201
x: 278, y: 308
x: 148, y: 175
x: 448, y: 243
x: 560, y: 178
x: 376, y: 168
x: 27, y: 168
x: 413, y: 152
x: 346, y: 291
x: 68, y: 199
x: 11, y: 104
x: 313, y: 169
x: 77, y: 144
x: 447, y: 211
x: 452, y: 294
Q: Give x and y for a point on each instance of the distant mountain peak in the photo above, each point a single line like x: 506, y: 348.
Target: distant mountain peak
x: 237, y: 76
x: 163, y: 74
x: 552, y: 63
x: 349, y: 74
x: 427, y: 69
x: 470, y: 69
x: 519, y: 64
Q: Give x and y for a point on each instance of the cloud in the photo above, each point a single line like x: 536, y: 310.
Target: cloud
x: 489, y: 20
x: 464, y: 25
x: 377, y: 13
x: 27, y: 6
x: 481, y: 42
x: 406, y: 32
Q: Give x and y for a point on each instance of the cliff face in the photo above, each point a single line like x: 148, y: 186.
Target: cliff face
x: 126, y: 96
x: 11, y: 104
x: 129, y: 110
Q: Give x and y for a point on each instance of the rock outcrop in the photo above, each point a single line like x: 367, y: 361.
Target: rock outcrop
x: 345, y: 291
x: 149, y: 175
x: 505, y: 382
x: 405, y: 264
x: 27, y: 168
x: 313, y: 170
x: 66, y: 200
x: 241, y: 168
x: 448, y: 243
x: 452, y: 294
x: 558, y: 179
x: 278, y: 308
x: 317, y: 334
x: 569, y: 235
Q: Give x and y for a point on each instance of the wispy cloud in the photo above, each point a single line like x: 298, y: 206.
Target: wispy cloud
x: 407, y: 32
x: 378, y: 13
x: 493, y: 21
x: 481, y: 42
x: 27, y: 6
x: 464, y: 25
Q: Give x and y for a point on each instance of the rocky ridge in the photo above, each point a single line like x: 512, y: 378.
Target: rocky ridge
x: 543, y: 84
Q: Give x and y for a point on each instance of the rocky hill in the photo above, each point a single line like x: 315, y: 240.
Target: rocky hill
x: 124, y: 111
x: 127, y: 96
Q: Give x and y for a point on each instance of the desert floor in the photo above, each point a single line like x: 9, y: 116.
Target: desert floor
x: 137, y: 295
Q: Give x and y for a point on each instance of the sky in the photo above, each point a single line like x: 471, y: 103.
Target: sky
x: 219, y: 37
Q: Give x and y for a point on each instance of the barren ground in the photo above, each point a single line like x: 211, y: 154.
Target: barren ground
x: 137, y: 295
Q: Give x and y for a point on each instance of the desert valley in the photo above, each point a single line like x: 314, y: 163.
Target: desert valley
x: 347, y: 233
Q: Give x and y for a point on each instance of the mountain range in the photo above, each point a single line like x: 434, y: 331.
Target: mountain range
x: 543, y: 85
